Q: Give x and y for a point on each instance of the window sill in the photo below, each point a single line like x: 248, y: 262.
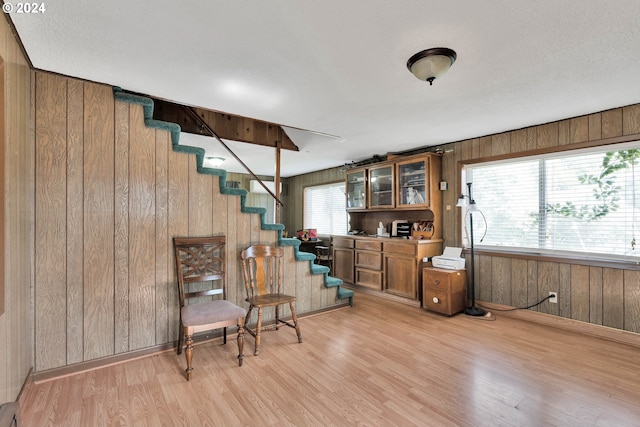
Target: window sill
x: 592, y: 261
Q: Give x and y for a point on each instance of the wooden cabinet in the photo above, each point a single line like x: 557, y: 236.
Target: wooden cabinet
x: 368, y: 264
x: 413, y: 184
x: 444, y: 291
x: 404, y: 182
x: 356, y: 189
x: 381, y: 187
x: 384, y: 266
x: 403, y: 262
x: 401, y: 268
x: 401, y: 276
x: 343, y: 258
x: 404, y: 188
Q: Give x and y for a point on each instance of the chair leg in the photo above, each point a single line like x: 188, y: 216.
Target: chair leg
x: 277, y: 317
x: 247, y: 319
x: 248, y: 316
x: 295, y: 321
x: 224, y: 334
x: 180, y: 337
x: 256, y: 351
x: 240, y: 341
x: 188, y: 354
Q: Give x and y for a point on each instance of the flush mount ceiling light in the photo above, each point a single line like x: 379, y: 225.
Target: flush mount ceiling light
x: 213, y: 162
x: 431, y: 63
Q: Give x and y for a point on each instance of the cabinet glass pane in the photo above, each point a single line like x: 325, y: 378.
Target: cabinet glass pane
x: 411, y: 179
x: 356, y: 190
x: 381, y: 183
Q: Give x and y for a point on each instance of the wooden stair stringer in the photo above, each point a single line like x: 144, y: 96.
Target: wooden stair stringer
x: 174, y: 131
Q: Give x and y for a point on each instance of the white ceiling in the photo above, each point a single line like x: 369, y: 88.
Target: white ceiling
x: 339, y: 67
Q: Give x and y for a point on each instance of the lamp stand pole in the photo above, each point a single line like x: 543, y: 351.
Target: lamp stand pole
x: 473, y: 310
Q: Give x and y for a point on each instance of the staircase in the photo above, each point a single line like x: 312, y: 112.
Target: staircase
x: 174, y: 131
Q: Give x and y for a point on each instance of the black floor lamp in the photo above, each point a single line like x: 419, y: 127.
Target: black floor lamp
x: 472, y: 207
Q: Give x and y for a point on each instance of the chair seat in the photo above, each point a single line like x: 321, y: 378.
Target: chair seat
x: 270, y: 299
x: 204, y: 313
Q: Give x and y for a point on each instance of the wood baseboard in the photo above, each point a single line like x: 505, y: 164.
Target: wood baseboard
x: 77, y: 368
x: 598, y: 331
x: 396, y: 298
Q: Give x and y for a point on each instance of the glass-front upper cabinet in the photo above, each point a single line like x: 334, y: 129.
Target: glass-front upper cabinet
x: 381, y: 187
x: 413, y: 190
x: 357, y: 189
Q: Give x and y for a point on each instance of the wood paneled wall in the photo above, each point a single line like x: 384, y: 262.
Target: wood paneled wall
x: 17, y: 168
x: 599, y: 295
x: 2, y: 200
x: 110, y: 194
x: 258, y: 200
x: 292, y: 213
x: 607, y: 296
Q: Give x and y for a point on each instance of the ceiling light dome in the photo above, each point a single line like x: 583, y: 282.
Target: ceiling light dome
x: 431, y: 63
x: 213, y: 162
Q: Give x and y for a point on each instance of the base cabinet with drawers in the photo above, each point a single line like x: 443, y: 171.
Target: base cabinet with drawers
x: 368, y: 263
x: 386, y: 266
x: 444, y: 291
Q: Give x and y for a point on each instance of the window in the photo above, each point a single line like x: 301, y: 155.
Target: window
x: 325, y: 208
x: 585, y: 201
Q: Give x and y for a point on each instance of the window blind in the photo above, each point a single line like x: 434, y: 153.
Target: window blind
x: 586, y: 201
x: 325, y: 208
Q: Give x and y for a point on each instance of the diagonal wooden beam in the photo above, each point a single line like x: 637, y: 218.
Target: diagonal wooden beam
x: 190, y: 111
x: 226, y: 126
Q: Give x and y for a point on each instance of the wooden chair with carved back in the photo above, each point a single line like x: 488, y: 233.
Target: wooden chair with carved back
x: 263, y: 268
x: 200, y: 263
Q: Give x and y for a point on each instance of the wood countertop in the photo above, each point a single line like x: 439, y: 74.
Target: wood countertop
x: 389, y: 239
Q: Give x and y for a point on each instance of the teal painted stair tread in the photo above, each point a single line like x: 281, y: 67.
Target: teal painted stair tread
x: 346, y: 293
x: 319, y: 269
x: 332, y: 282
x: 174, y: 130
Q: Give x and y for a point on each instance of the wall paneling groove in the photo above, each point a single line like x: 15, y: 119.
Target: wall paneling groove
x: 110, y: 195
x: 601, y: 295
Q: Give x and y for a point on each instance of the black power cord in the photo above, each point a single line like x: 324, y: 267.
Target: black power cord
x: 520, y: 308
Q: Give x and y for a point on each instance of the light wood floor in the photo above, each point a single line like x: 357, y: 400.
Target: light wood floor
x: 379, y: 363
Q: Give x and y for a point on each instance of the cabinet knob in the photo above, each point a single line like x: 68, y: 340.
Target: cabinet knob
x: 436, y: 300
x: 436, y: 281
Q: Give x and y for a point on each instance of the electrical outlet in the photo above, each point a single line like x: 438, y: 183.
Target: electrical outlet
x: 554, y: 297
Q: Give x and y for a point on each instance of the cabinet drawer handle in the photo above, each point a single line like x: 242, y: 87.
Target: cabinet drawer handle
x: 436, y: 281
x: 436, y: 300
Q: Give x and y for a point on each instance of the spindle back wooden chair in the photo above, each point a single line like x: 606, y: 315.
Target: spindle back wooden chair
x: 263, y: 271
x: 324, y: 255
x: 200, y: 263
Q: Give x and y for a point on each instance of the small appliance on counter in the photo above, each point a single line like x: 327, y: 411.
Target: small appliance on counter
x: 450, y: 259
x: 400, y: 228
x: 382, y: 231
